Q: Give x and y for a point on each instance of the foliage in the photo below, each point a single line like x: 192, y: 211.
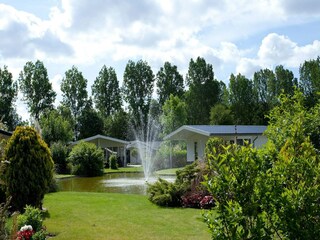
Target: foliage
x: 174, y: 114
x: 74, y: 93
x: 204, y: 91
x: 4, y: 215
x: 8, y: 95
x: 309, y: 81
x: 169, y: 82
x: 30, y: 171
x: 138, y: 81
x: 221, y: 115
x: 242, y: 99
x: 59, y: 153
x: 54, y: 128
x: 90, y: 122
x: 113, y: 161
x: 106, y: 92
x: 186, y: 191
x: 87, y: 159
x: 36, y: 88
x: 164, y: 193
x: 177, y: 153
x: 273, y: 192
x: 117, y: 125
x: 31, y: 216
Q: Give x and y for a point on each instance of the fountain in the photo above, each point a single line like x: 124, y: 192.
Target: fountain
x: 147, y: 145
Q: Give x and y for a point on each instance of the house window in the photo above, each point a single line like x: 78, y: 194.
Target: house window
x: 195, y: 150
x: 241, y: 141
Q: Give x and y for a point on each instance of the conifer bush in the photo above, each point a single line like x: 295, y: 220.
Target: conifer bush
x: 113, y: 161
x: 30, y: 169
x: 86, y: 159
x: 59, y: 153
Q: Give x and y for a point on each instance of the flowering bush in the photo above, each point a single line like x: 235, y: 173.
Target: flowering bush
x: 207, y: 202
x: 25, y: 233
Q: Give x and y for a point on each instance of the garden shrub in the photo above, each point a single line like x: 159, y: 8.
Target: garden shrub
x: 59, y: 153
x: 87, y: 160
x: 30, y: 169
x: 187, y: 190
x: 31, y: 216
x: 164, y: 193
x: 271, y: 193
x: 113, y: 161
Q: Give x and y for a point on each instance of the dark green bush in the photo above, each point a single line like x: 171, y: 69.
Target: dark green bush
x: 188, y: 183
x: 113, y: 161
x: 86, y: 159
x: 59, y: 153
x: 32, y: 216
x: 164, y: 193
x: 30, y: 169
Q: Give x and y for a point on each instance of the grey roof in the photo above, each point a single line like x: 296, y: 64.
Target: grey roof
x: 100, y: 137
x: 5, y: 132
x: 215, y: 130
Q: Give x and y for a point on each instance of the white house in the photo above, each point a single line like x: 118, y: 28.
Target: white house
x: 196, y: 136
x: 109, y: 145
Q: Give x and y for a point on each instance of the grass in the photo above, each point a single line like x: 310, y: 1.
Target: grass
x: 119, y: 216
x: 123, y: 170
x: 170, y: 171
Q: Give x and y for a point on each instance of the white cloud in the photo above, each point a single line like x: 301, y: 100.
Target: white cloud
x: 278, y: 50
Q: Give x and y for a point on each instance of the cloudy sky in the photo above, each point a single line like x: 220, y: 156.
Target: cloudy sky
x: 240, y: 36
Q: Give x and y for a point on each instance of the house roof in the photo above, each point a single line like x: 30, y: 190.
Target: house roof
x: 3, y: 132
x: 187, y: 131
x: 155, y: 145
x: 101, y: 137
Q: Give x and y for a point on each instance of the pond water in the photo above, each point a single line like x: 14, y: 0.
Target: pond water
x: 130, y: 183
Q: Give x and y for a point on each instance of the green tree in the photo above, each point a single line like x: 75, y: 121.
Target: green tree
x: 30, y: 172
x: 8, y: 95
x: 74, y: 93
x: 90, y: 122
x: 242, y: 99
x: 221, y: 115
x: 55, y: 128
x: 174, y: 114
x: 117, y: 125
x: 169, y: 81
x: 59, y: 153
x: 285, y: 80
x: 138, y: 83
x: 36, y: 88
x: 310, y: 80
x: 204, y: 91
x: 106, y: 92
x: 87, y: 159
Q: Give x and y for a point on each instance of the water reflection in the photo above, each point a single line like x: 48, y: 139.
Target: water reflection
x: 130, y: 183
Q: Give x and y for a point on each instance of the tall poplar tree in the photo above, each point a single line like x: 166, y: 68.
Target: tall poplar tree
x: 36, y: 88
x: 204, y: 91
x: 138, y: 81
x: 169, y: 81
x: 74, y: 93
x: 106, y: 92
x: 8, y: 95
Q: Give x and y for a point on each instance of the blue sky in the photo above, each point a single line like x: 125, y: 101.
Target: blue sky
x: 234, y: 36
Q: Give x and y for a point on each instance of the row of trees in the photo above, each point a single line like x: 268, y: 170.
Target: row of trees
x: 197, y: 99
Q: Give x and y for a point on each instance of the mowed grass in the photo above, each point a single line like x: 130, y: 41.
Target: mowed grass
x: 75, y: 215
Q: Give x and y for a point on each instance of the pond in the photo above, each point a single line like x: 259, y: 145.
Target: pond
x: 130, y: 183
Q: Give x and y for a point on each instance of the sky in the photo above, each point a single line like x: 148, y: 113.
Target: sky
x: 240, y: 36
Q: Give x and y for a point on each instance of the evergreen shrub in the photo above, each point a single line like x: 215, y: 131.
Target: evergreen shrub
x: 113, y: 161
x: 59, y: 153
x: 30, y: 169
x: 87, y: 160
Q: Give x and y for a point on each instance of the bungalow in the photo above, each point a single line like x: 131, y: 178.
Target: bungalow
x: 110, y: 146
x: 196, y: 136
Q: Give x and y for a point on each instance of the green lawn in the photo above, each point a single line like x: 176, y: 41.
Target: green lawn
x: 119, y: 216
x: 169, y: 171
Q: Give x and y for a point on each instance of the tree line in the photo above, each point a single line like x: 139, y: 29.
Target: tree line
x: 113, y: 110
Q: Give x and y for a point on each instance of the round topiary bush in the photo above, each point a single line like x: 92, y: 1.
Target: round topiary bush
x: 30, y: 169
x: 87, y: 160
